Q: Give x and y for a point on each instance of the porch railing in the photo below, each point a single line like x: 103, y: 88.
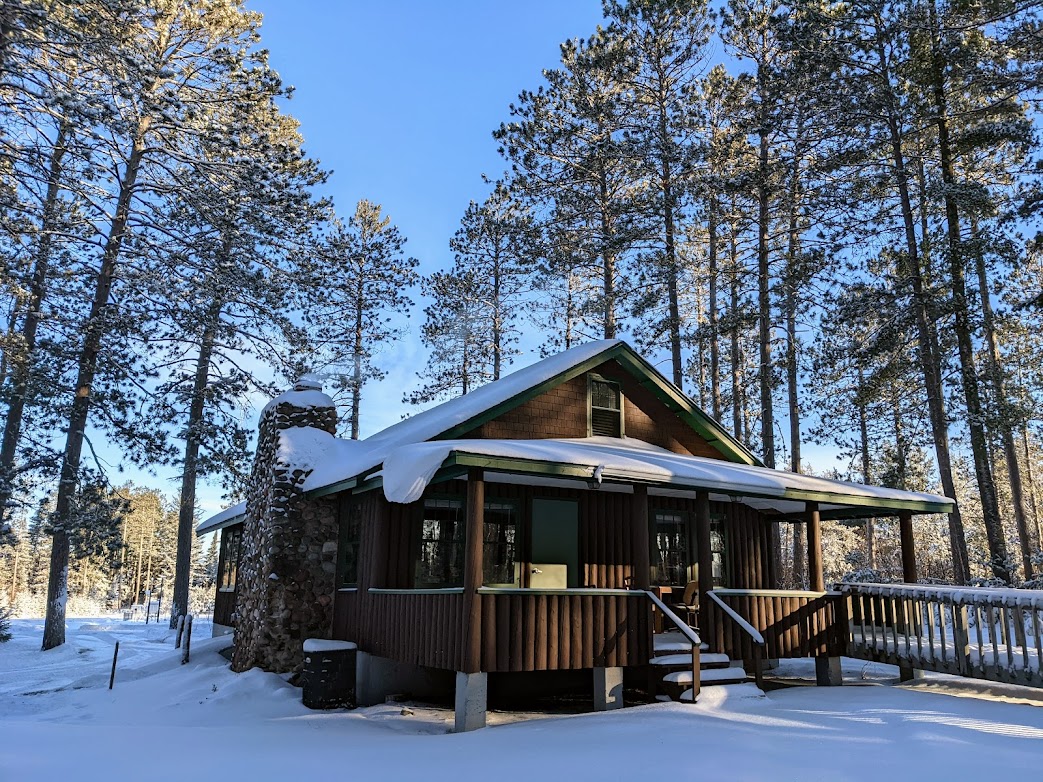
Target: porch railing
x: 789, y: 623
x: 992, y: 634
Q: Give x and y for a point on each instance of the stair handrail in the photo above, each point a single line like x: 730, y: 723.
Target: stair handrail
x: 747, y: 628
x: 734, y: 615
x: 688, y: 633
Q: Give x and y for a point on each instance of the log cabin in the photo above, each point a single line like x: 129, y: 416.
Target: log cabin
x: 578, y: 523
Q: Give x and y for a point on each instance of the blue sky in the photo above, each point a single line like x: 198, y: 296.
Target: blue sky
x: 399, y: 101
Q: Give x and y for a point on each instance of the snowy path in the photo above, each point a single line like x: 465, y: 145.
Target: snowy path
x: 252, y: 726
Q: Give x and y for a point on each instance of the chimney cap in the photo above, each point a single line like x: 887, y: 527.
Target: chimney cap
x: 308, y: 382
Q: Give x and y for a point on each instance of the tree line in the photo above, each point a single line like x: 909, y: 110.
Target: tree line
x: 821, y: 216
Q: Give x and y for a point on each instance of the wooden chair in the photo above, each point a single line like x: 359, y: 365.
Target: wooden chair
x: 688, y: 607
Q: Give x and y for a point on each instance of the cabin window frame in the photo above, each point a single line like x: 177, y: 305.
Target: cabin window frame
x: 685, y: 522
x: 349, y: 511
x: 231, y: 547
x: 592, y: 379
x: 718, y: 546
x: 456, y: 545
x: 719, y: 549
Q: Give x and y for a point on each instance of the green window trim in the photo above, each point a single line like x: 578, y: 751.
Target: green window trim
x: 604, y: 407
x: 231, y: 544
x: 349, y: 542
x: 441, y: 535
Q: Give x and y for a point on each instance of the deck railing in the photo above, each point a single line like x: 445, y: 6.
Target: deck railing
x: 790, y: 623
x: 992, y: 634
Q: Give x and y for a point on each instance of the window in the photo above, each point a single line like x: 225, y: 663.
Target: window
x: 675, y: 550
x: 606, y: 408
x: 349, y: 542
x: 440, y: 562
x: 672, y: 555
x: 231, y: 542
x: 717, y: 549
x: 440, y: 559
x: 500, y: 546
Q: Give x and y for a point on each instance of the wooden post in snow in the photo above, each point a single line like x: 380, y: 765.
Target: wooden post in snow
x: 188, y: 640
x: 180, y: 631
x: 112, y: 674
x: 905, y: 528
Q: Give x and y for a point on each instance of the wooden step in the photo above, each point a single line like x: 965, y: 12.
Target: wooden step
x: 706, y: 660
x: 710, y: 676
x: 672, y: 643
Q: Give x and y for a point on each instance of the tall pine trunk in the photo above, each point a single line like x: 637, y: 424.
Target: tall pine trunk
x: 962, y: 323
x: 714, y: 318
x: 764, y: 301
x: 926, y: 338
x: 733, y: 337
x: 87, y: 366
x: 999, y: 386
x: 190, y: 465
x: 21, y: 370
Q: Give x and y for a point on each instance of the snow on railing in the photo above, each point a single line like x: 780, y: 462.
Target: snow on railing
x: 994, y: 634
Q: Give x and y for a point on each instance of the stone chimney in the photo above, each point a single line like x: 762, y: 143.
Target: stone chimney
x: 288, y: 558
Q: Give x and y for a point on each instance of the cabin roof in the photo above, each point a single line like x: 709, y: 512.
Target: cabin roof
x: 464, y: 413
x: 409, y: 469
x: 337, y: 463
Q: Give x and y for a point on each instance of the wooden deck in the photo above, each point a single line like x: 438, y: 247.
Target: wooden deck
x: 992, y: 634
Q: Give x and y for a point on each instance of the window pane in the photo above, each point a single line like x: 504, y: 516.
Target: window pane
x: 718, y: 548
x: 441, y: 550
x: 231, y: 540
x: 604, y: 395
x: 672, y: 560
x: 349, y: 543
x: 500, y: 543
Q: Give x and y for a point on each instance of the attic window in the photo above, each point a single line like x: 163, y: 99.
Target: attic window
x: 606, y: 408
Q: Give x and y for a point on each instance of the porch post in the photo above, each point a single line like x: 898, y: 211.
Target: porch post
x: 472, y: 614
x: 702, y: 542
x: 471, y: 684
x: 641, y: 576
x: 815, y: 576
x: 905, y: 527
x: 905, y: 531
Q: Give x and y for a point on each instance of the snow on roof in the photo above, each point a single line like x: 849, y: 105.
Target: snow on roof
x: 432, y: 422
x: 342, y: 462
x: 223, y: 519
x: 410, y: 468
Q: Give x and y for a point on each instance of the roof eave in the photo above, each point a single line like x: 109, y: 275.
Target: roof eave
x: 865, y: 505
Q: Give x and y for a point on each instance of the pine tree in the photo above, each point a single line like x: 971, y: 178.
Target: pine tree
x: 360, y: 280
x: 571, y: 159
x: 171, y: 58
x: 667, y: 42
x: 497, y: 240
x: 455, y: 331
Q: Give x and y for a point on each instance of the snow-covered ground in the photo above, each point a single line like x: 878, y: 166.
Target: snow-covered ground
x: 165, y: 721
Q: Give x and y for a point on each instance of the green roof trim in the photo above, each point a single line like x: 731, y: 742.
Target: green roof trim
x: 332, y: 488
x: 458, y: 459
x: 648, y: 377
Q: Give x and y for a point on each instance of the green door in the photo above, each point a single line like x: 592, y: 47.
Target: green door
x: 555, y: 536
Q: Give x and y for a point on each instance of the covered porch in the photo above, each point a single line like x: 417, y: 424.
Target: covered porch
x: 487, y: 557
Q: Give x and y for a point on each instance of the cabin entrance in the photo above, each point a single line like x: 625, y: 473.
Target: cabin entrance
x: 554, y: 557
